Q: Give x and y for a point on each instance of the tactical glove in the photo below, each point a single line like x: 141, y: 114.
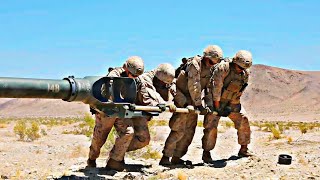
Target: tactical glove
x: 190, y: 108
x: 224, y: 112
x: 203, y: 111
x: 93, y: 111
x: 162, y: 107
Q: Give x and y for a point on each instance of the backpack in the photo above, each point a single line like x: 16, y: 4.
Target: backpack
x: 183, y: 65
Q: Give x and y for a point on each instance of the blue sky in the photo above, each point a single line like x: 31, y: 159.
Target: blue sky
x: 54, y: 39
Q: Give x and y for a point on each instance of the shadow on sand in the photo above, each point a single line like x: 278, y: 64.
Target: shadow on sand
x: 103, y: 173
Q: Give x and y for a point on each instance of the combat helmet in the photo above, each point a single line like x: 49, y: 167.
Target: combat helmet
x: 213, y: 51
x: 135, y: 65
x: 243, y: 59
x: 165, y: 73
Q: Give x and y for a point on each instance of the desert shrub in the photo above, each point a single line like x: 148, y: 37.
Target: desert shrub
x: 269, y: 126
x: 20, y: 129
x: 84, y: 128
x: 2, y: 125
x: 27, y: 132
x: 145, y: 153
x: 200, y: 123
x: 303, y: 128
x: 160, y: 122
x: 289, y: 140
x: 43, y: 132
x: 32, y: 132
x: 276, y: 134
x: 281, y: 127
x: 229, y: 124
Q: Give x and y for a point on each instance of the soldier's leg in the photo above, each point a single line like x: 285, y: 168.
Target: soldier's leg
x: 209, y: 138
x: 242, y: 125
x: 141, y: 136
x: 125, y: 132
x: 185, y: 141
x: 177, y: 125
x: 103, y: 126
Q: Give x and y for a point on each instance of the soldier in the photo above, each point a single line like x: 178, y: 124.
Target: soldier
x: 227, y: 84
x: 154, y: 89
x: 190, y: 83
x: 132, y: 68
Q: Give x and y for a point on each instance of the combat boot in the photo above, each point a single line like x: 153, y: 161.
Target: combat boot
x: 206, y: 157
x: 115, y: 165
x: 164, y: 161
x: 179, y: 161
x: 91, y: 163
x: 244, y: 152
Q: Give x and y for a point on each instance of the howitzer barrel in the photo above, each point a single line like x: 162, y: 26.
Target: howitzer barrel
x: 68, y: 89
x: 34, y: 88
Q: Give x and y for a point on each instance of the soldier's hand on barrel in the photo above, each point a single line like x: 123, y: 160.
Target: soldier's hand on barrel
x: 203, y: 111
x: 172, y: 107
x: 190, y: 108
x: 162, y: 107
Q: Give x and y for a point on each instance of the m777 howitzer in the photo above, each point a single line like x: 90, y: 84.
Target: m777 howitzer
x: 120, y: 92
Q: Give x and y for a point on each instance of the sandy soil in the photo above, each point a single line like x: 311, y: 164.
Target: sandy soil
x: 61, y: 156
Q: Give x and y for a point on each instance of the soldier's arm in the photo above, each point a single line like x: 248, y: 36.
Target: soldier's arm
x: 194, y: 84
x: 115, y: 72
x: 219, y: 74
x: 149, y: 95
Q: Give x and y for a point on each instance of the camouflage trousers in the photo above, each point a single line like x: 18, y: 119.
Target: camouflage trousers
x: 102, y: 128
x: 210, y: 129
x: 133, y: 134
x: 182, y: 127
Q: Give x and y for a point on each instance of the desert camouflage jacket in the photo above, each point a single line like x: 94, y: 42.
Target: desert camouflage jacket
x: 150, y: 93
x: 227, y: 83
x: 198, y: 78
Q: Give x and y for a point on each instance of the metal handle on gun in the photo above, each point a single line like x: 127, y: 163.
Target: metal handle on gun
x: 157, y: 109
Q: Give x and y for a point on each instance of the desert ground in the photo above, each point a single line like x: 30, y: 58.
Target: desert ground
x: 57, y: 155
x: 283, y: 107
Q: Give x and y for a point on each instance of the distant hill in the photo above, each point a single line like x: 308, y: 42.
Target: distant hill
x: 281, y: 94
x: 273, y: 94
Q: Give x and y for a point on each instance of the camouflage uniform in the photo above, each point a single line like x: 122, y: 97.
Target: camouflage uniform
x: 103, y: 123
x: 195, y: 78
x: 226, y: 86
x: 134, y: 133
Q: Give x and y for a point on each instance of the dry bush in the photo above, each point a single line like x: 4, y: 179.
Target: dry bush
x: 289, y: 140
x: 200, y: 124
x: 303, y: 128
x: 27, y: 132
x: 2, y: 125
x: 276, y: 134
x: 84, y: 128
x: 32, y: 132
x: 229, y: 124
x: 145, y: 153
x: 20, y: 129
x: 159, y: 122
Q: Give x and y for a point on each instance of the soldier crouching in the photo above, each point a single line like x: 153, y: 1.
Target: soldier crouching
x: 228, y: 81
